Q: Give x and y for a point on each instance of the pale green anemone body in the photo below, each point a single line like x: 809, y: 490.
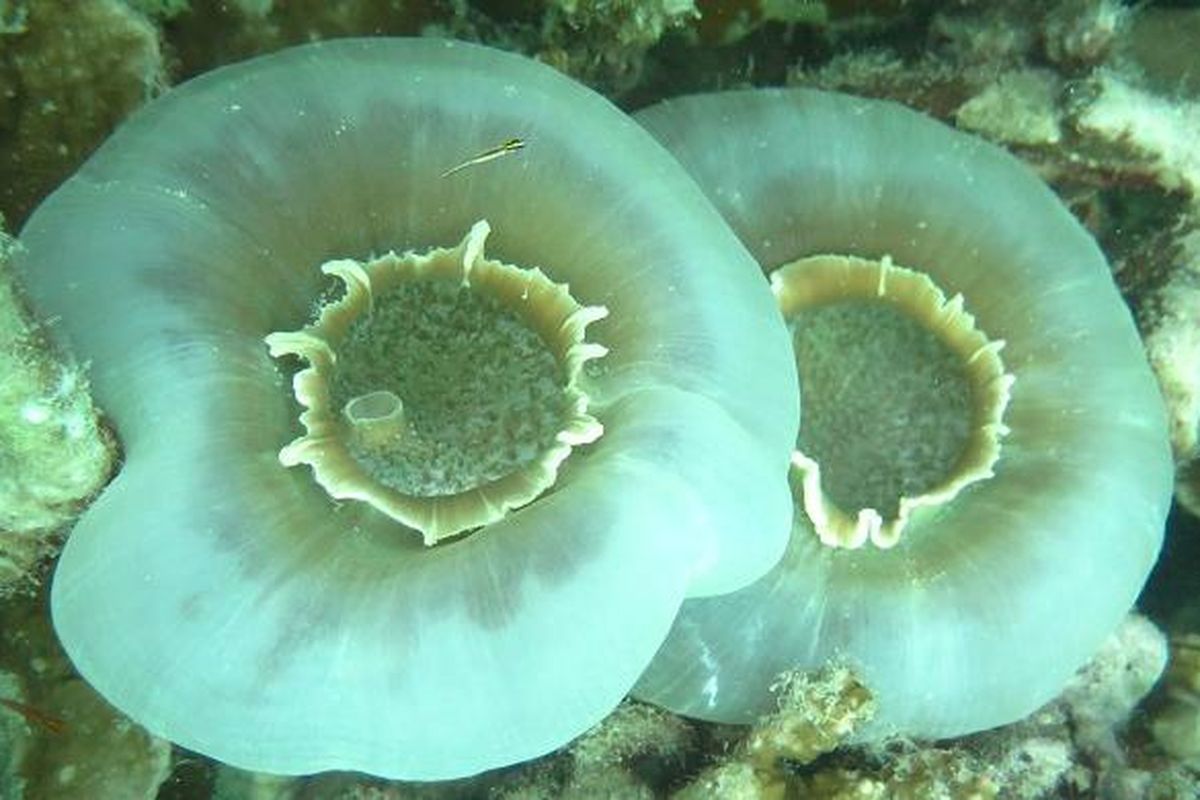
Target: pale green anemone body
x: 1035, y: 485
x: 226, y: 600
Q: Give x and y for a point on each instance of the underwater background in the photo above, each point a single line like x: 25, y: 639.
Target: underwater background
x: 1100, y: 98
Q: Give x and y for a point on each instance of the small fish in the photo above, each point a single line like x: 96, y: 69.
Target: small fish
x: 510, y: 146
x: 34, y: 716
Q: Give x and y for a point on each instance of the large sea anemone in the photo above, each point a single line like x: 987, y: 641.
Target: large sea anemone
x: 380, y: 612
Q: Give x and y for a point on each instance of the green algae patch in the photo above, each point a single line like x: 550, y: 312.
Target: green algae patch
x: 70, y: 72
x: 53, y: 452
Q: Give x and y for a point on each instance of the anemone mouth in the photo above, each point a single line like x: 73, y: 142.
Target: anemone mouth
x: 442, y: 388
x: 904, y: 397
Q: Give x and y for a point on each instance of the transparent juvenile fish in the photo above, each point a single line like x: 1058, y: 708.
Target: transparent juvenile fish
x: 509, y: 146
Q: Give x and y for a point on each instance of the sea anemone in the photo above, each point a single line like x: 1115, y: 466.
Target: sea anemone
x: 982, y: 475
x: 447, y: 525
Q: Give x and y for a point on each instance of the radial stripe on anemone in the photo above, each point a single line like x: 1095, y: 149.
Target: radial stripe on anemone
x: 464, y: 536
x: 982, y: 472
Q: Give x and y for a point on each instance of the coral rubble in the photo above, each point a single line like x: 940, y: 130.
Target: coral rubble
x: 1076, y: 743
x: 1176, y: 723
x: 818, y: 711
x: 1161, y: 138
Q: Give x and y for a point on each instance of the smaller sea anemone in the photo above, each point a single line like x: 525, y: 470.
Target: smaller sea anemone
x: 983, y: 441
x: 857, y: 322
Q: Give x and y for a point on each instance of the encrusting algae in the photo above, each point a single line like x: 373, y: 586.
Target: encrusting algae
x: 54, y: 454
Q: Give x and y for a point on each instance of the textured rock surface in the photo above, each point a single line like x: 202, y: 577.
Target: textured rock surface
x: 53, y: 454
x: 65, y: 740
x: 71, y: 72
